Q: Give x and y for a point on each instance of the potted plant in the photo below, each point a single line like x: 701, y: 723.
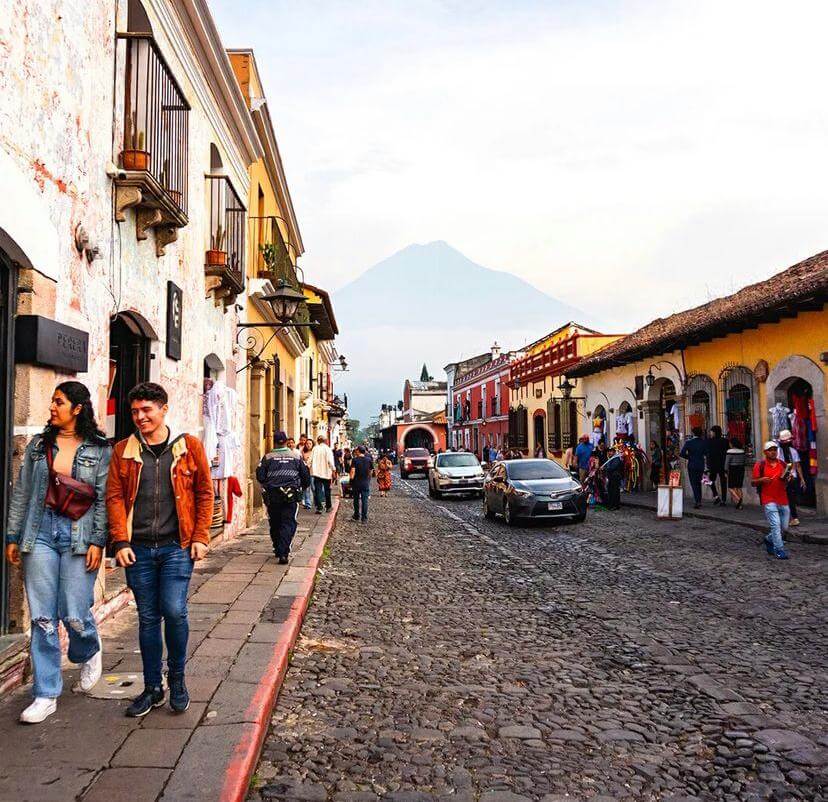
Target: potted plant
x: 133, y: 156
x: 174, y: 194
x: 217, y: 256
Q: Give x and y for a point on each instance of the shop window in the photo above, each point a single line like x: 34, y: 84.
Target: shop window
x: 129, y: 363
x: 701, y: 393
x: 737, y: 386
x: 799, y: 399
x: 553, y: 416
x: 569, y: 424
x: 539, y: 433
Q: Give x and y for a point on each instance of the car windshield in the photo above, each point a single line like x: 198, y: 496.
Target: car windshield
x: 536, y: 469
x: 416, y: 452
x: 457, y: 461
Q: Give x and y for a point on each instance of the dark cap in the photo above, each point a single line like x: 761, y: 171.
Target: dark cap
x: 280, y: 437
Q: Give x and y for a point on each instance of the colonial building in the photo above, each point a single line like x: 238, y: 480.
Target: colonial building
x: 544, y: 416
x: 480, y: 403
x: 752, y: 362
x: 422, y: 423
x: 454, y: 373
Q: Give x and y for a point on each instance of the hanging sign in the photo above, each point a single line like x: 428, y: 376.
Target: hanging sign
x: 41, y: 341
x: 175, y: 300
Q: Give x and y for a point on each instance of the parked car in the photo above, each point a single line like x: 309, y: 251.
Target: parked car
x: 455, y: 473
x: 414, y: 460
x: 532, y: 488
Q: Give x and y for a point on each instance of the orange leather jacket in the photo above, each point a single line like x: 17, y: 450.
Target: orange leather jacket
x: 193, y: 487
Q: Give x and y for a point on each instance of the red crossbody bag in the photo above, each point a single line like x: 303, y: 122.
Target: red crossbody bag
x: 66, y: 495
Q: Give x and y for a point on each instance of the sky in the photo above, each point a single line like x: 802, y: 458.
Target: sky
x: 634, y: 158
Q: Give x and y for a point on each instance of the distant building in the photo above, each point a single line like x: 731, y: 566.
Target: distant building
x: 422, y: 423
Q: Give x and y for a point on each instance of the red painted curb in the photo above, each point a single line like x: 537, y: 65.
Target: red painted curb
x: 246, y: 754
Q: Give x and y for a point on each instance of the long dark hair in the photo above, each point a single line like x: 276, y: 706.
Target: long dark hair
x: 85, y: 424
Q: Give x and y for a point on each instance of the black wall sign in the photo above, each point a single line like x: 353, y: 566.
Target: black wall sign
x: 175, y: 301
x: 41, y: 341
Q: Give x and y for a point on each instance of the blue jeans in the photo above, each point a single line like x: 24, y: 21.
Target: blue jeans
x: 696, y: 475
x: 778, y: 517
x: 307, y: 496
x: 59, y: 588
x: 322, y: 492
x: 361, y: 498
x: 159, y: 580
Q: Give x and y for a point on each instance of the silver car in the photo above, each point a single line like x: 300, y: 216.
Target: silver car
x: 455, y: 473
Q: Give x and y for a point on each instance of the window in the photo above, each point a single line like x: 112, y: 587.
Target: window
x: 553, y: 417
x: 225, y: 254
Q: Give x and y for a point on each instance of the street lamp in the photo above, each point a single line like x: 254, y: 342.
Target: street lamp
x: 566, y: 387
x: 284, y: 301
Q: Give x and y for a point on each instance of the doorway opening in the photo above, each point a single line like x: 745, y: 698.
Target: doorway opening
x: 540, y: 434
x: 799, y: 398
x: 130, y: 338
x: 8, y: 298
x: 419, y: 438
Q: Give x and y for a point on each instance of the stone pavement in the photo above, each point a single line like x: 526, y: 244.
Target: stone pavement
x: 813, y: 528
x: 245, y: 611
x: 448, y: 657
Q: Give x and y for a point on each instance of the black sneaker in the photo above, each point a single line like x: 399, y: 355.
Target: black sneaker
x: 179, y: 697
x: 283, y: 560
x: 142, y: 704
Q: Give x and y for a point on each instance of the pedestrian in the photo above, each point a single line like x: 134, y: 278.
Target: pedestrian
x: 655, y: 463
x: 338, y: 458
x: 57, y: 531
x: 582, y: 454
x: 717, y: 447
x: 770, y: 478
x: 735, y: 468
x: 601, y: 452
x: 613, y: 469
x: 695, y: 452
x: 486, y: 453
x: 283, y: 476
x: 384, y: 467
x: 790, y: 456
x: 160, y: 503
x: 323, y: 469
x: 494, y: 455
x: 291, y: 444
x: 539, y: 452
x: 570, y: 461
x: 307, y: 456
x: 361, y: 470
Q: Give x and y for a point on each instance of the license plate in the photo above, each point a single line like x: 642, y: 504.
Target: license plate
x: 555, y: 505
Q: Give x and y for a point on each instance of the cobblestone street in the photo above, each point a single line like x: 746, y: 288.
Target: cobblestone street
x: 445, y: 655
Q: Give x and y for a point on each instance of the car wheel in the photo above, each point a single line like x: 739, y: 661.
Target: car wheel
x: 486, y: 511
x: 437, y: 494
x: 509, y: 515
x: 403, y: 475
x: 579, y: 518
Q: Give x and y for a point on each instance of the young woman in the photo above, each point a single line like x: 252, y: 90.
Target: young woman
x: 307, y: 456
x: 384, y: 467
x: 734, y: 466
x: 57, y: 530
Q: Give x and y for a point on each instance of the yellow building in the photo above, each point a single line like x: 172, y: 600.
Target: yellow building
x: 542, y: 416
x: 730, y: 363
x: 273, y: 355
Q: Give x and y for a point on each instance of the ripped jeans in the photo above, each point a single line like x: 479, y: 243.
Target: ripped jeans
x: 59, y: 588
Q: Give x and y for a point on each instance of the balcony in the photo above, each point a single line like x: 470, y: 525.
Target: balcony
x: 272, y: 261
x: 224, y: 260
x: 153, y: 162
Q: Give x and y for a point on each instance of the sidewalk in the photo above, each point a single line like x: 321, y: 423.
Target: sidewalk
x: 245, y: 614
x: 813, y: 528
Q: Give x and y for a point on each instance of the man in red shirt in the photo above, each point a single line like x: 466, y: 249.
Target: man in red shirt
x: 770, y: 478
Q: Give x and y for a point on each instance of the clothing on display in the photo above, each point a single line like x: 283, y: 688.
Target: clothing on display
x: 621, y: 424
x: 676, y: 413
x: 780, y: 418
x: 221, y: 441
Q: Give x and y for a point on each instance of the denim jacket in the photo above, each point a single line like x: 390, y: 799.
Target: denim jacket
x: 91, y: 465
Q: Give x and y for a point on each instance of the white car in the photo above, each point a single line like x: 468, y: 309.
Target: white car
x: 455, y: 473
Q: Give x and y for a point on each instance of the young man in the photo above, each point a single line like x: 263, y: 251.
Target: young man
x: 582, y: 454
x: 789, y: 455
x: 323, y: 469
x: 291, y: 445
x: 361, y: 469
x: 160, y: 503
x: 695, y: 452
x: 283, y: 477
x: 770, y: 478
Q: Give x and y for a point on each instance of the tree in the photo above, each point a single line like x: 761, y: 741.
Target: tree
x: 424, y: 377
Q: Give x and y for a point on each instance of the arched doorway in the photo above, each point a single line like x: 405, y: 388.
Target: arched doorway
x: 8, y: 296
x: 599, y: 423
x: 539, y: 431
x: 665, y: 423
x: 419, y: 438
x: 129, y: 364
x: 737, y: 394
x: 701, y: 396
x: 625, y: 420
x: 797, y: 396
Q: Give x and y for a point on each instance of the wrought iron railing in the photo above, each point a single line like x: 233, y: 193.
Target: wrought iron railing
x: 227, y: 229
x: 155, y: 119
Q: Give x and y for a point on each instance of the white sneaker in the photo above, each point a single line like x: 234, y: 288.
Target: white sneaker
x: 794, y: 522
x: 39, y: 710
x: 91, y: 672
